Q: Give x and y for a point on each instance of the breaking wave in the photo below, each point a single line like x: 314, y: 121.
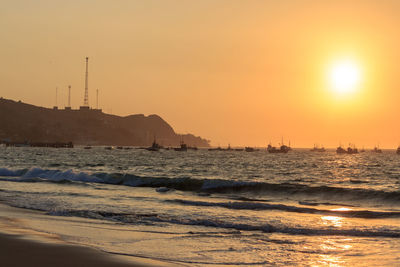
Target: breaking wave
x: 366, y: 214
x: 135, y: 218
x: 192, y: 184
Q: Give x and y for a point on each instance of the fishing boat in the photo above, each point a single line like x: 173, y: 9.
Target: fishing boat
x: 377, y: 150
x: 282, y: 149
x: 249, y: 149
x: 215, y: 149
x: 341, y: 150
x: 154, y: 146
x: 221, y: 149
x: 317, y: 149
x: 349, y: 150
x: 183, y: 147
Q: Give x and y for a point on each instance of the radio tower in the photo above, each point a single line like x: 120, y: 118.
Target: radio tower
x: 86, y: 99
x: 69, y: 95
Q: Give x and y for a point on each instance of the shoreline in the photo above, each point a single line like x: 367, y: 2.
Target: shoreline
x: 22, y: 247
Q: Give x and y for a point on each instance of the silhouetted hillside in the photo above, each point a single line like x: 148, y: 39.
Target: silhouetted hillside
x: 23, y: 122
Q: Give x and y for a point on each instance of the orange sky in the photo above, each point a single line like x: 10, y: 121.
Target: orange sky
x: 238, y: 72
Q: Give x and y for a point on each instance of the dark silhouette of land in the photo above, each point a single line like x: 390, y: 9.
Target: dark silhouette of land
x: 21, y: 122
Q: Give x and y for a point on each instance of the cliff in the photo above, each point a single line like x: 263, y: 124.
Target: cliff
x: 20, y: 122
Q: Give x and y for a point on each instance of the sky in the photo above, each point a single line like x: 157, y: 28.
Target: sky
x: 244, y: 73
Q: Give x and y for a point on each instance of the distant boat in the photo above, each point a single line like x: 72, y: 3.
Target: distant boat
x: 154, y: 146
x: 87, y: 147
x: 183, y: 147
x: 377, y: 150
x: 282, y: 149
x: 109, y: 147
x: 352, y: 150
x: 317, y: 149
x: 249, y: 149
x: 341, y: 150
x: 349, y: 150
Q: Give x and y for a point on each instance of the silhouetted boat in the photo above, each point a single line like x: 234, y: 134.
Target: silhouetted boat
x: 154, y: 146
x: 183, y: 147
x: 282, y: 149
x: 249, y: 149
x: 349, y: 150
x: 87, y: 147
x: 377, y: 150
x: 317, y: 149
x: 341, y: 150
x: 216, y: 149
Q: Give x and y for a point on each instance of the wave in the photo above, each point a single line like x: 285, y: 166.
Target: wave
x: 366, y: 214
x: 136, y: 218
x: 194, y: 184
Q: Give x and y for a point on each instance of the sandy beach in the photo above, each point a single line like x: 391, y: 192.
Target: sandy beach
x: 20, y: 246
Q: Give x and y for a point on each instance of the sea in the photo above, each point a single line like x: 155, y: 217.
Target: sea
x: 212, y: 208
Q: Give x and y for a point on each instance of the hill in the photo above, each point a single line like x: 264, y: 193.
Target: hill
x: 20, y: 122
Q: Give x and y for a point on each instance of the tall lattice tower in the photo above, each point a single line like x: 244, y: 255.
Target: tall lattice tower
x: 69, y: 95
x: 86, y: 99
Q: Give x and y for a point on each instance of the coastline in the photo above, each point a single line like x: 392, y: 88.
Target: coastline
x: 22, y: 247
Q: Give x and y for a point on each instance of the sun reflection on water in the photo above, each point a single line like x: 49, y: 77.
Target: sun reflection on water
x: 329, y: 252
x: 330, y: 260
x: 332, y: 221
x: 341, y: 209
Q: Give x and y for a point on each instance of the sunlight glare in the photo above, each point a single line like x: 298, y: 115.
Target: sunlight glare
x: 341, y: 209
x: 334, y: 221
x: 344, y: 77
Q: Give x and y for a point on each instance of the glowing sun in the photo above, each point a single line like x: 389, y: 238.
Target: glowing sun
x: 344, y: 77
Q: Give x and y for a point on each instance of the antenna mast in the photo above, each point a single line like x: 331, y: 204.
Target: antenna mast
x: 69, y: 95
x: 56, y: 96
x: 97, y: 98
x: 86, y: 99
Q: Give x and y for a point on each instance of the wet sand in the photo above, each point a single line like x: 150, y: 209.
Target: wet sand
x: 17, y: 251
x: 21, y: 247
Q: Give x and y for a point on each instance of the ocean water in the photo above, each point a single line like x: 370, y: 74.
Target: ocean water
x: 214, y: 208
